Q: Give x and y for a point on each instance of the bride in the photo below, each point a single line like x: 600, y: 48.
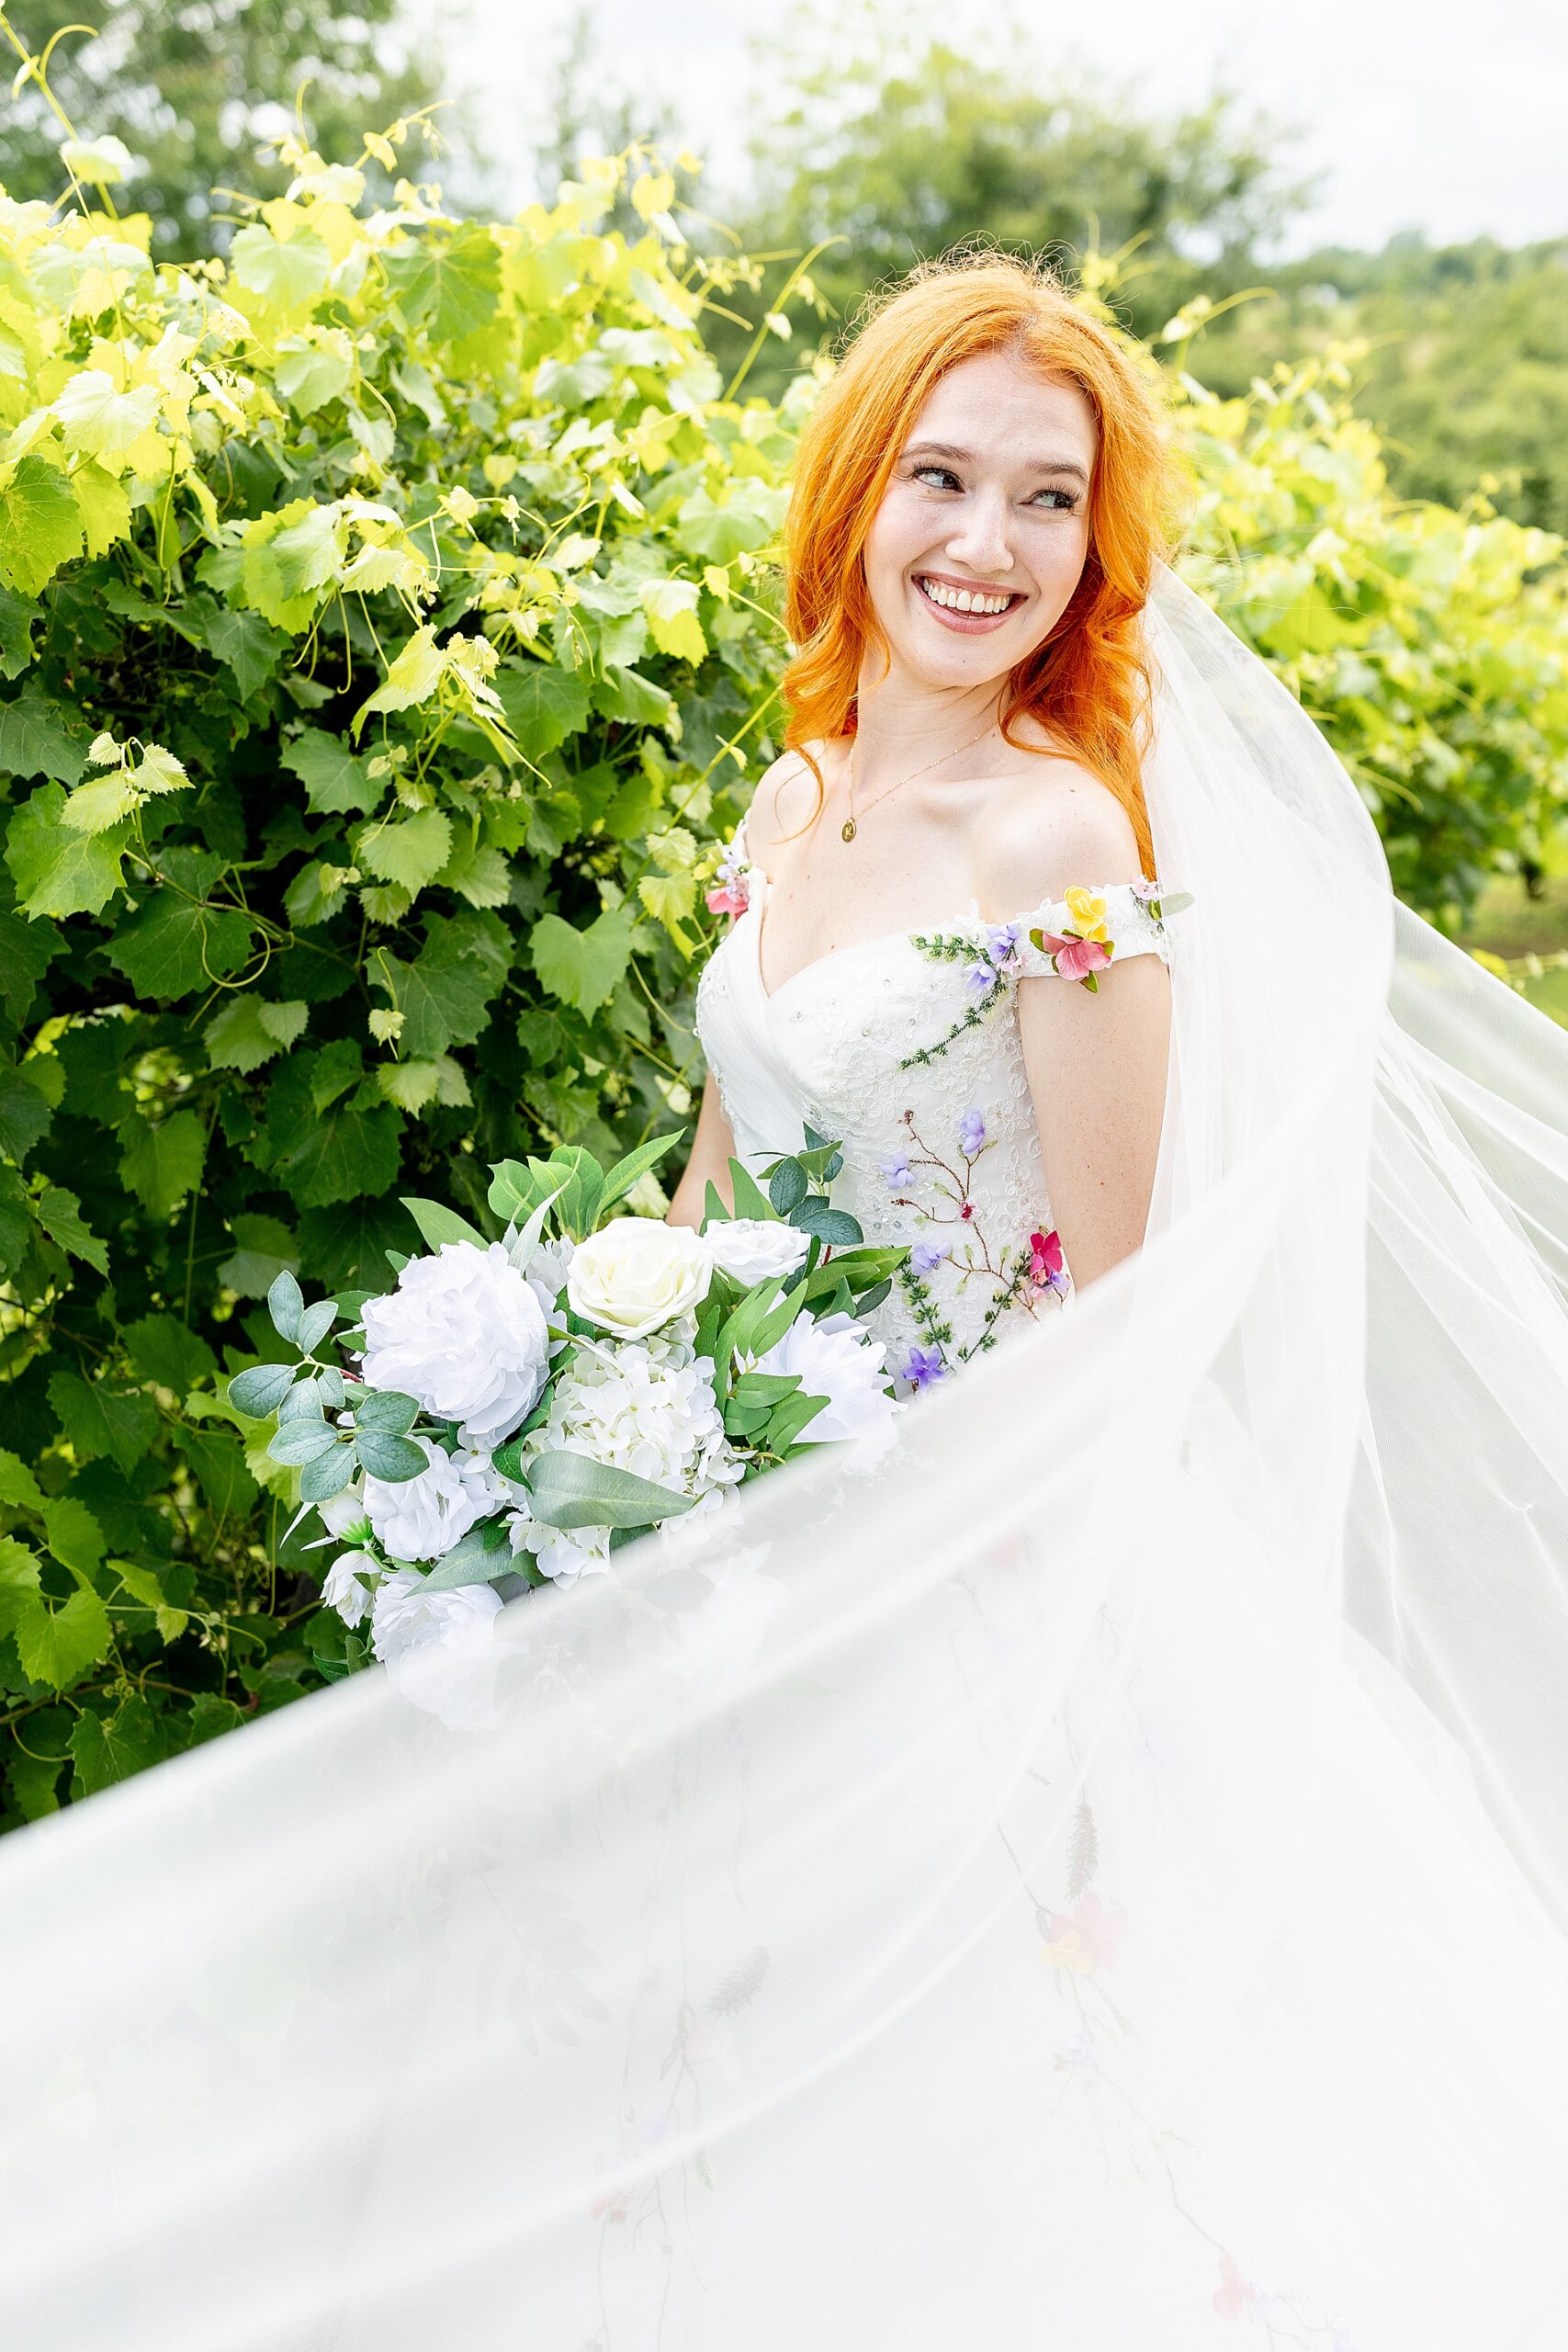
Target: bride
x: 1093, y: 1874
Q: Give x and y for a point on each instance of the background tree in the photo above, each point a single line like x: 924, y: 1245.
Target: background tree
x: 198, y: 90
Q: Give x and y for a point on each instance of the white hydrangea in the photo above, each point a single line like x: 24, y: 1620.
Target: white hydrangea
x: 646, y: 1405
x: 407, y: 1614
x: 465, y: 1334
x: 421, y: 1518
x: 836, y: 1358
x: 750, y: 1248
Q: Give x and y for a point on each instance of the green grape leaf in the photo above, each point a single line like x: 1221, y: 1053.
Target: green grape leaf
x: 161, y: 1349
x: 263, y: 1247
x: 450, y: 289
x: 74, y: 1536
x: 161, y: 1164
x: 18, y: 1485
x: 106, y: 1748
x: 445, y: 997
x: 583, y: 968
x: 40, y: 526
x: 337, y: 781
x: 411, y: 852
x: 35, y: 738
x: 169, y: 946
x: 245, y: 644
x: 100, y: 1420
x: 57, y: 1644
x: 23, y: 1114
x: 60, y: 1213
x: 57, y: 871
x: 543, y: 704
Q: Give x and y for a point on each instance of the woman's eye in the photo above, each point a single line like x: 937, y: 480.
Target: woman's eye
x: 942, y: 477
x: 1067, y: 501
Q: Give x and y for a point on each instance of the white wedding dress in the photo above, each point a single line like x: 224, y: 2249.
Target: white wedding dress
x: 1094, y: 1876
x: 906, y: 1052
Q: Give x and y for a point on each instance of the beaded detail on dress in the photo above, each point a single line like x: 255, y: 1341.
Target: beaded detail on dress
x: 906, y: 1050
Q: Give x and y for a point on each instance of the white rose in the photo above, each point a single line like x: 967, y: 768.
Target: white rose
x: 639, y: 1274
x: 465, y: 1334
x: 836, y: 1359
x: 750, y: 1248
x: 343, y: 1590
x: 421, y: 1518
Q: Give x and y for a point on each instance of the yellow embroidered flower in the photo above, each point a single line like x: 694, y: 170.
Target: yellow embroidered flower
x: 1088, y: 912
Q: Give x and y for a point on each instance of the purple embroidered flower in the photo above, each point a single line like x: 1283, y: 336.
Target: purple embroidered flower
x: 923, y: 1367
x: 927, y: 1256
x: 981, y: 978
x: 895, y: 1168
x: 971, y: 1134
x: 1001, y: 945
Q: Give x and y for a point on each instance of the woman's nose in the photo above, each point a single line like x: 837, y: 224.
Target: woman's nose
x: 982, y: 540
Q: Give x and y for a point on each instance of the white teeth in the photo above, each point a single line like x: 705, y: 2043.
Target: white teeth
x: 963, y: 600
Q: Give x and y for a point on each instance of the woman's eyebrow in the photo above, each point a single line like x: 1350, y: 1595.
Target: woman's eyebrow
x: 965, y: 456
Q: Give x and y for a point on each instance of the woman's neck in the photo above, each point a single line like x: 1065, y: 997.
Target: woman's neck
x: 902, y: 723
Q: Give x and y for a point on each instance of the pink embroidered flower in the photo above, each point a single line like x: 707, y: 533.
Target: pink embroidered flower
x: 1045, y: 1261
x: 1075, y: 958
x: 730, y: 894
x: 1234, y: 2294
x: 1085, y: 1939
x: 1143, y: 889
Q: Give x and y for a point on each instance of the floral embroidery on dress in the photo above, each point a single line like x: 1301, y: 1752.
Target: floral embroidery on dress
x: 732, y: 892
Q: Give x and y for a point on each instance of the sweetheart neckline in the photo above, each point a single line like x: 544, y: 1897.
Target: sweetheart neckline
x: 854, y: 947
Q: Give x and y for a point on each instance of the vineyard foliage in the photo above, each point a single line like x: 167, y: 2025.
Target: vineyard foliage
x: 388, y: 636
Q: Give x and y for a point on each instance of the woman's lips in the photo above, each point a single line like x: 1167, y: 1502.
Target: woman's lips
x: 968, y: 624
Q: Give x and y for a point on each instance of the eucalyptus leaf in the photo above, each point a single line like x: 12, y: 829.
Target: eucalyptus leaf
x: 286, y: 1304
x: 394, y: 1459
x: 567, y: 1489
x: 384, y: 1409
x: 314, y: 1325
x: 303, y: 1441
x: 262, y: 1389
x: 326, y: 1475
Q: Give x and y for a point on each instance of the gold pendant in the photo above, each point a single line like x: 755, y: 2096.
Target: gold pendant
x: 846, y: 829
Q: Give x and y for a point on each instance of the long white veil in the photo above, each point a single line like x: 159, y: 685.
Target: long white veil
x: 1095, y: 1877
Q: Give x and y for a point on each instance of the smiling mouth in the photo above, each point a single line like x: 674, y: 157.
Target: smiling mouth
x: 966, y: 608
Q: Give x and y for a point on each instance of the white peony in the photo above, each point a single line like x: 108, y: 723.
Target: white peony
x: 343, y: 1590
x: 407, y: 1614
x: 836, y: 1359
x: 421, y: 1518
x: 440, y: 1648
x: 646, y: 1405
x: 465, y: 1334
x: 750, y: 1248
x: 637, y: 1274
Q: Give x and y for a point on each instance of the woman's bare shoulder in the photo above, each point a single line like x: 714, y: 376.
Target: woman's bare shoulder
x: 1043, y: 831
x: 784, y: 800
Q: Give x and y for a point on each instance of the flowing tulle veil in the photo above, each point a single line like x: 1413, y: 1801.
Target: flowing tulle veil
x: 1093, y: 1875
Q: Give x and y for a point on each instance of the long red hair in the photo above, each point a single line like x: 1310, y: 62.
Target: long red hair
x: 1087, y: 684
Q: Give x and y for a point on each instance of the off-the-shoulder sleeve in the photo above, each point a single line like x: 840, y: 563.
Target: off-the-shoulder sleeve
x: 1093, y: 926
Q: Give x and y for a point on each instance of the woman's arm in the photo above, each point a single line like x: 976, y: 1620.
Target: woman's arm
x: 1096, y: 1064
x: 713, y: 1147
x: 1096, y: 1060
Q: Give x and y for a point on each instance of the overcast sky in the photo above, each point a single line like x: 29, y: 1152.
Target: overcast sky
x: 1422, y: 113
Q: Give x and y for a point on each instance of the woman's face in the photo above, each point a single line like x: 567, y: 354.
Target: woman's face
x: 982, y: 532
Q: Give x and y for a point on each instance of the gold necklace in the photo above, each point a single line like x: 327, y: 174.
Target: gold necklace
x: 849, y: 829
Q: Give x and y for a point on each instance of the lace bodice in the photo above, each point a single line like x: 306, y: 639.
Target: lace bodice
x: 906, y: 1050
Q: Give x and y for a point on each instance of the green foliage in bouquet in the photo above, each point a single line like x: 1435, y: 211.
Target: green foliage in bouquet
x: 385, y: 636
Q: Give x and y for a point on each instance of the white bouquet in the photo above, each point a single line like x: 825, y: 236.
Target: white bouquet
x: 521, y: 1405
